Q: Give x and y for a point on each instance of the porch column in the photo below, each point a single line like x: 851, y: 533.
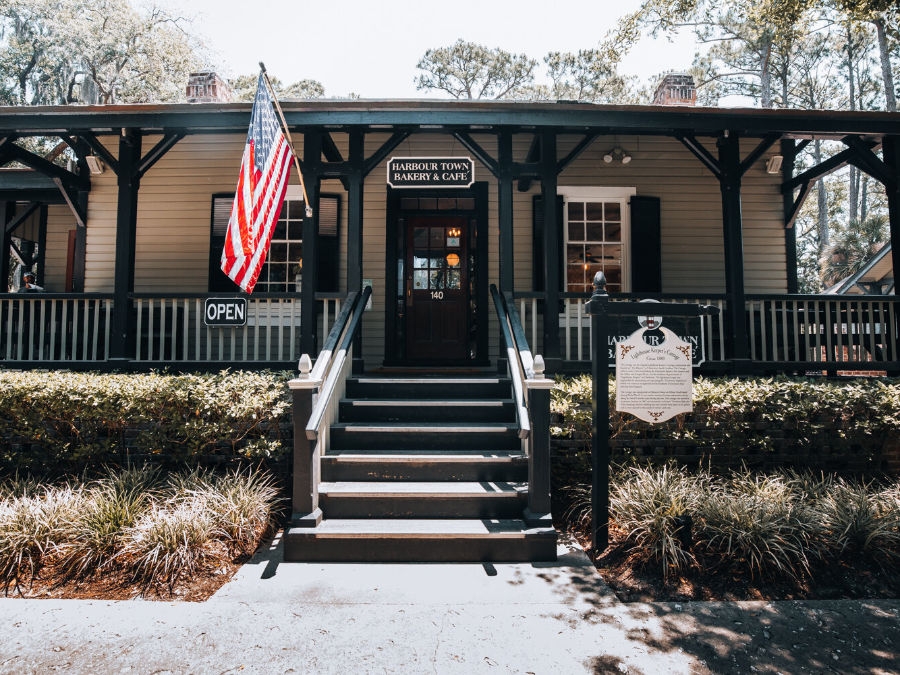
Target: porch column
x: 891, y: 153
x: 355, y: 213
x: 505, y: 211
x: 551, y: 262
x: 122, y: 329
x: 356, y: 180
x: 9, y: 212
x: 788, y: 154
x: 312, y: 166
x: 730, y: 185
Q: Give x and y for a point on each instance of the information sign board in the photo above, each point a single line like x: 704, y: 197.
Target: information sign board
x: 431, y: 172
x: 654, y: 382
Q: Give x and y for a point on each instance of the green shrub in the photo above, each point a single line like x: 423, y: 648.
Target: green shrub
x: 739, y: 419
x: 651, y: 506
x: 863, y: 518
x: 111, y: 505
x: 32, y: 527
x: 68, y: 420
x: 169, y: 541
x: 759, y: 522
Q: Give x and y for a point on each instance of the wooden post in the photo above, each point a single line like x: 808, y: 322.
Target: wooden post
x: 305, y: 511
x: 597, y: 308
x: 552, y: 261
x: 123, y: 327
x: 537, y: 514
x: 505, y: 211
x: 730, y: 185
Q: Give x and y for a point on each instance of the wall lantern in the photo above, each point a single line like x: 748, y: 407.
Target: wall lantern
x: 94, y: 164
x: 452, y: 260
x: 617, y: 154
x: 774, y: 164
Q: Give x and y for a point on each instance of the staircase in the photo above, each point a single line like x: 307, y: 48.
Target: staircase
x: 422, y: 470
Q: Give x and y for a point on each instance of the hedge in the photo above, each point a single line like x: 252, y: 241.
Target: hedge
x: 67, y: 420
x: 844, y: 424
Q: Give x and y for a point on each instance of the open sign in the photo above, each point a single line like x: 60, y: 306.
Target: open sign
x: 225, y: 312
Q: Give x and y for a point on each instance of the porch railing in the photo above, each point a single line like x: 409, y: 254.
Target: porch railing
x: 824, y: 332
x: 575, y: 323
x: 75, y: 328
x: 54, y: 327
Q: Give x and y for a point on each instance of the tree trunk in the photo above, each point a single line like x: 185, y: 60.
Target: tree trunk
x: 890, y: 96
x: 822, y: 199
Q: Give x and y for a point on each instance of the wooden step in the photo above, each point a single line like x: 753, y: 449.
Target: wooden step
x: 444, y: 436
x: 398, y: 540
x: 426, y: 410
x: 503, y: 465
x: 421, y: 388
x: 407, y: 499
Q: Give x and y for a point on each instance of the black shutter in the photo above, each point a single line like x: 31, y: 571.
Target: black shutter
x: 537, y: 243
x: 646, y: 246
x: 328, y: 277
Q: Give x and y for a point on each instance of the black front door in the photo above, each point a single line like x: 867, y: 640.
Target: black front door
x: 437, y: 288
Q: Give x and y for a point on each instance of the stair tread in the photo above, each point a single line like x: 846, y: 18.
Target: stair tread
x: 430, y: 380
x: 413, y: 427
x: 400, y: 402
x: 403, y: 527
x: 429, y: 488
x: 460, y: 456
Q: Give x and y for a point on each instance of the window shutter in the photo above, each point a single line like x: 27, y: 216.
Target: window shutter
x: 646, y: 245
x: 537, y: 242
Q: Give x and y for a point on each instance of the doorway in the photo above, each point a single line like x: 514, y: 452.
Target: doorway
x: 437, y: 288
x: 435, y: 243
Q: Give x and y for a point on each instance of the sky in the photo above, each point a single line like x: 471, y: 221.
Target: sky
x: 371, y: 48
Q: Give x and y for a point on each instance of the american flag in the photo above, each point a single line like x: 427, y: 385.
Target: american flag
x: 262, y: 184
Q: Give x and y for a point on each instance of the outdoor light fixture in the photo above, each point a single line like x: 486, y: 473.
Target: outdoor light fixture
x: 95, y: 164
x: 774, y: 164
x: 617, y: 154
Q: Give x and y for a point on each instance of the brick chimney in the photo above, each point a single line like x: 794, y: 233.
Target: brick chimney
x: 207, y: 87
x: 676, y: 89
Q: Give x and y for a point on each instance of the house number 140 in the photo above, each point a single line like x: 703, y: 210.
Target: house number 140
x: 437, y: 295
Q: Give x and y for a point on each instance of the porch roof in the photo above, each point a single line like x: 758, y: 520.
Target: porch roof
x: 449, y: 115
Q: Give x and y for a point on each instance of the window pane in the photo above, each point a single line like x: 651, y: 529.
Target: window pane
x: 612, y: 253
x: 613, y: 211
x: 454, y: 280
x: 420, y: 237
x: 278, y: 253
x: 420, y: 263
x: 574, y: 253
x: 280, y: 231
x: 594, y: 211
x: 576, y: 231
x: 576, y: 210
x: 437, y: 237
x: 613, y: 232
x: 594, y: 232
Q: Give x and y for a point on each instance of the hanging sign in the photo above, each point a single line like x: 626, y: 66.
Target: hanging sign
x: 654, y: 382
x: 225, y: 311
x: 433, y: 172
x: 689, y: 329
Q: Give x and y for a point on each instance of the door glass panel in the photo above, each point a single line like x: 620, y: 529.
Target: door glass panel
x: 420, y: 237
x: 420, y: 279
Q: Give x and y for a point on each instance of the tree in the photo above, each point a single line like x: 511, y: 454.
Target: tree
x: 471, y: 71
x: 94, y: 51
x: 589, y: 75
x: 883, y: 15
x: 852, y: 247
x: 747, y: 37
x: 243, y: 88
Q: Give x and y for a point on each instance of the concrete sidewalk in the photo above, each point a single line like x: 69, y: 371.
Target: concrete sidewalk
x: 558, y: 618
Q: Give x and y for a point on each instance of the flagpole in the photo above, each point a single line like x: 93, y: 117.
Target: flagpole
x: 287, y: 133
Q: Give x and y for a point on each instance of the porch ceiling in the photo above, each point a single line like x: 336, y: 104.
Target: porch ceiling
x: 443, y: 116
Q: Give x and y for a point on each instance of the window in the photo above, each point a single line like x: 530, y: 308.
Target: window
x: 283, y: 270
x: 595, y: 228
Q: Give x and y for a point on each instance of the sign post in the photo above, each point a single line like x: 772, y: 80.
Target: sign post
x: 603, y: 314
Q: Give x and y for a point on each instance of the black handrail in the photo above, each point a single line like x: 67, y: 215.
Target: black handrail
x: 345, y: 331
